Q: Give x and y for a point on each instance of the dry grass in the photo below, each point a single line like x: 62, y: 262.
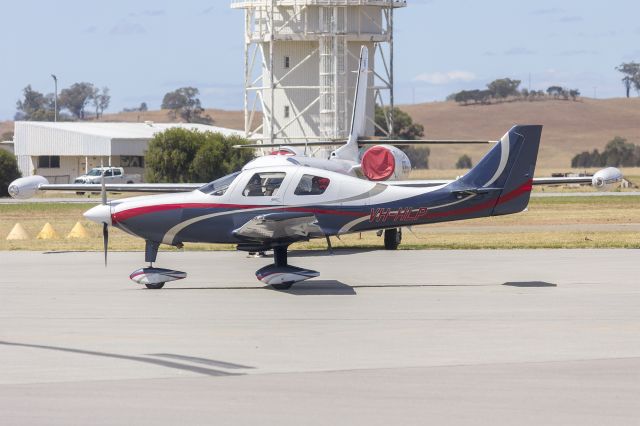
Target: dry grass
x: 569, y: 222
x: 6, y: 126
x: 221, y: 118
x: 570, y: 127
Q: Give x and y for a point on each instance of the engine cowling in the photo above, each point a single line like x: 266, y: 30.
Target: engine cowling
x: 385, y: 162
x: 26, y: 187
x: 607, y: 179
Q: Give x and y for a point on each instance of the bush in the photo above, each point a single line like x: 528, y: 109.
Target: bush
x: 8, y: 171
x: 181, y: 155
x: 464, y: 162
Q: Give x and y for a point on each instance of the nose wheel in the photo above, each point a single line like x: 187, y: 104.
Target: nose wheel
x: 151, y: 277
x: 157, y: 286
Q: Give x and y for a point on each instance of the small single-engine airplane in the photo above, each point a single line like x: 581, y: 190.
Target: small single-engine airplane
x: 383, y: 162
x: 276, y: 201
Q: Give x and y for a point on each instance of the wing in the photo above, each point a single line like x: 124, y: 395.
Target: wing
x: 363, y: 142
x: 27, y: 187
x: 282, y: 227
x: 586, y: 180
x: 129, y: 187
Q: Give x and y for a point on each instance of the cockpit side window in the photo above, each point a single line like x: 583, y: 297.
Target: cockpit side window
x: 219, y: 186
x: 264, y: 184
x: 312, y: 185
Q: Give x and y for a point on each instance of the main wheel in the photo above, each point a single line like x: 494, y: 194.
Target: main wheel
x: 392, y: 239
x: 155, y: 286
x: 283, y: 286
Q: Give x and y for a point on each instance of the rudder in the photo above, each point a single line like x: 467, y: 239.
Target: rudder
x: 516, y: 191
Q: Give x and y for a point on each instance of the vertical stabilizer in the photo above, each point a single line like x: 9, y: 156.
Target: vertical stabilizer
x: 509, y: 168
x: 359, y: 116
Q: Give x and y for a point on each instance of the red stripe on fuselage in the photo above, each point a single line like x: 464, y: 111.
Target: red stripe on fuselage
x: 137, y: 211
x: 524, y: 188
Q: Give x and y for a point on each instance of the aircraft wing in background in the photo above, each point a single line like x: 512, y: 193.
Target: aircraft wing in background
x: 604, y: 179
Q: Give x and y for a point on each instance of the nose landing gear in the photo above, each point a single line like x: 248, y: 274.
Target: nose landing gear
x: 151, y: 277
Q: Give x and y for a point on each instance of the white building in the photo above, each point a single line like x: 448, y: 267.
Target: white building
x: 64, y: 150
x: 300, y: 62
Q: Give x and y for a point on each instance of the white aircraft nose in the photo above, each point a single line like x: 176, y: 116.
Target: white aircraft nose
x: 99, y: 214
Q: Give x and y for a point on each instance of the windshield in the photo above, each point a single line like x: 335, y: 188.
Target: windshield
x: 219, y: 186
x: 95, y: 172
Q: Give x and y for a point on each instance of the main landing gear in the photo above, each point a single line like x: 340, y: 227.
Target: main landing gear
x: 154, y: 278
x: 392, y: 238
x: 280, y: 275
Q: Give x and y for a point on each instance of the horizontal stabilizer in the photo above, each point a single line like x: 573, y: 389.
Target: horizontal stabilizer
x: 475, y: 191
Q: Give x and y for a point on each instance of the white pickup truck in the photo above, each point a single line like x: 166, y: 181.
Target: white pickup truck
x: 111, y: 175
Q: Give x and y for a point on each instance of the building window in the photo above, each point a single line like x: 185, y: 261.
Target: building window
x: 131, y: 161
x: 287, y: 62
x: 286, y: 111
x: 49, y: 162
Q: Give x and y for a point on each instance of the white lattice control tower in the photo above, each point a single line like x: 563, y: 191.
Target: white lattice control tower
x: 300, y: 63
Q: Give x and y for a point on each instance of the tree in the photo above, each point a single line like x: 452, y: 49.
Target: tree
x: 555, y: 91
x: 503, y: 88
x: 8, y: 171
x: 100, y: 100
x: 403, y: 128
x: 403, y: 125
x: 574, y: 93
x: 617, y: 153
x: 631, y: 71
x: 464, y: 162
x: 35, y: 106
x: 217, y: 157
x: 181, y: 155
x: 76, y: 98
x: 418, y: 156
x: 184, y: 102
x: 143, y: 107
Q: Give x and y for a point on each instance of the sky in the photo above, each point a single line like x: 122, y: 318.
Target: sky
x: 143, y: 49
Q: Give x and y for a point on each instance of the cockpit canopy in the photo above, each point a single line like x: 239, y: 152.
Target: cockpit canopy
x: 219, y: 186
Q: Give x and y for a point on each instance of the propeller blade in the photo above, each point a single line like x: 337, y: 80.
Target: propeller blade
x: 103, y: 192
x: 105, y: 240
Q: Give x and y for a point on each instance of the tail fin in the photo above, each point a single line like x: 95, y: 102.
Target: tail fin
x: 359, y: 115
x: 508, y: 168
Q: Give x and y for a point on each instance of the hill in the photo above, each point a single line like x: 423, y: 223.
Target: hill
x: 569, y: 127
x: 221, y: 118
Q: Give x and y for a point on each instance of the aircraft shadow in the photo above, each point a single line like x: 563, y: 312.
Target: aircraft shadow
x: 532, y: 284
x: 338, y: 288
x: 337, y: 251
x: 319, y: 288
x: 148, y: 360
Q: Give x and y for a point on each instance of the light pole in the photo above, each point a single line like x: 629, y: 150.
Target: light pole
x: 55, y: 99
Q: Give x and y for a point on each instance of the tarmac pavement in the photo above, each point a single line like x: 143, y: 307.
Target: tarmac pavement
x: 406, y: 337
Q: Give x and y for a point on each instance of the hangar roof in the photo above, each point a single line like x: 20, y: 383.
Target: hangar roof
x: 84, y: 138
x: 144, y: 130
